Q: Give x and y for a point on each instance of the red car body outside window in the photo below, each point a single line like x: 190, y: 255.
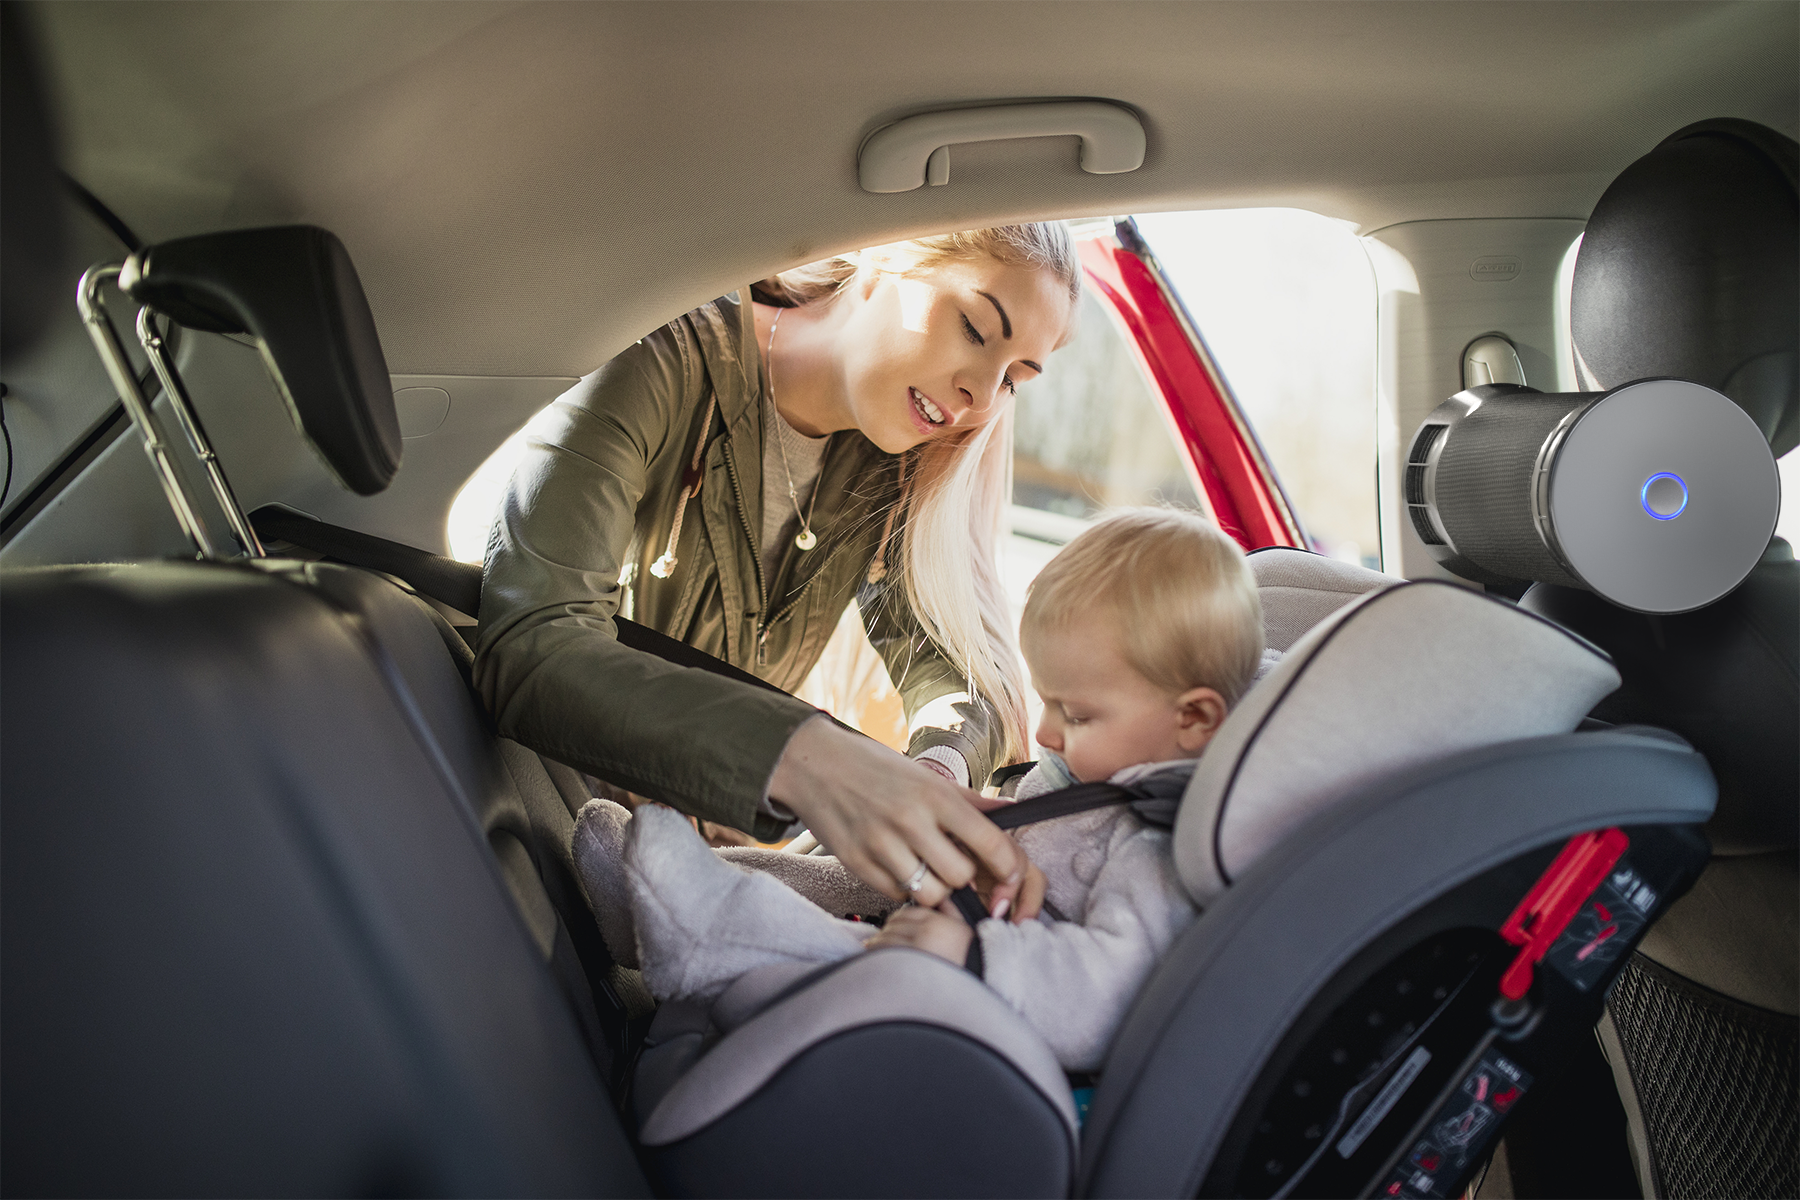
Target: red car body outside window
x: 1235, y: 475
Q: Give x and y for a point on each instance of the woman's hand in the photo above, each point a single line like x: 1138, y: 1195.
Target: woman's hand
x: 926, y: 929
x: 883, y: 815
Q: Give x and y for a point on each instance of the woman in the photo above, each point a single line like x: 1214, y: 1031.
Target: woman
x: 738, y: 477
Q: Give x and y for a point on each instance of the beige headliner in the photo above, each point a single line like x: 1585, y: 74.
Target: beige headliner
x: 527, y: 188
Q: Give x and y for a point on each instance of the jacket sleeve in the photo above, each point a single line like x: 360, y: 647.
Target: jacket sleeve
x: 548, y: 663
x: 1073, y: 983
x: 922, y: 673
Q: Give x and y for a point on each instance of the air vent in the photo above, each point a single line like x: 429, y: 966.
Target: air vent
x: 1415, y: 483
x: 1423, y: 441
x: 1421, y: 519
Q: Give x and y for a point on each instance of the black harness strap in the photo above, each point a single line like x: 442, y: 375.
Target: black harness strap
x: 458, y: 584
x: 1076, y: 798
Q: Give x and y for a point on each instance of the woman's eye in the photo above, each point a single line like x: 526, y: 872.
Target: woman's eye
x: 1006, y: 381
x: 973, y: 334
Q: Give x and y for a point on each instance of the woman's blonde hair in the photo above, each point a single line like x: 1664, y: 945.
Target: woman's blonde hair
x: 1176, y: 588
x: 952, y: 510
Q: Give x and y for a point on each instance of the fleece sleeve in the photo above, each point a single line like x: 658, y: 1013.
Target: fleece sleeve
x: 1073, y: 982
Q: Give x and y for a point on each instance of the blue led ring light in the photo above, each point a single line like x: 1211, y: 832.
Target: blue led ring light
x: 1664, y: 496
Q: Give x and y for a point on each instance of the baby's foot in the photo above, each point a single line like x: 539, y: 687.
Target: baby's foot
x: 702, y: 922
x: 599, y: 848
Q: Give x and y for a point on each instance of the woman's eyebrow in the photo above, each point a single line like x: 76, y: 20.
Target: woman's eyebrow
x: 1026, y: 362
x: 1005, y: 321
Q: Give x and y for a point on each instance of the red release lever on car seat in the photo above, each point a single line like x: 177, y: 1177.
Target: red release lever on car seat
x: 1554, y: 900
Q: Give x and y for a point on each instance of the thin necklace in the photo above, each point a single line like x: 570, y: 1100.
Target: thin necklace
x: 806, y: 540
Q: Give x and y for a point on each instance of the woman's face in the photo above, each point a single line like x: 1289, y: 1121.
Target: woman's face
x: 939, y: 353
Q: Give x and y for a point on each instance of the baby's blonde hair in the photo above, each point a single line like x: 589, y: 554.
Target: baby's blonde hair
x: 1176, y: 589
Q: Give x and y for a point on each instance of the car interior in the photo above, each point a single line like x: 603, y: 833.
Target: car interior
x: 1498, y: 869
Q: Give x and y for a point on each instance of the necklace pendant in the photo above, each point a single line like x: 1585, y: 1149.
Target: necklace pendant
x: 806, y: 540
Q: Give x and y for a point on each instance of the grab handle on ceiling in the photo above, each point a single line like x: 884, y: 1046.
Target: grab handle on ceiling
x: 916, y: 150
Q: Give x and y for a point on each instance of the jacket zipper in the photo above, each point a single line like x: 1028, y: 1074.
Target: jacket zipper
x: 762, y: 589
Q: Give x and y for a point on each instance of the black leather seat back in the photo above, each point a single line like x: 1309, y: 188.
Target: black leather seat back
x: 524, y: 805
x: 255, y: 943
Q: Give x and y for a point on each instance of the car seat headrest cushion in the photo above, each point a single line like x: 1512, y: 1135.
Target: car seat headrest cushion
x: 294, y: 289
x: 1690, y: 269
x: 1399, y: 677
x: 1298, y: 589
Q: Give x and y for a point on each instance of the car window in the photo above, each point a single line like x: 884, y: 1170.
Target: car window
x: 1286, y: 301
x: 1088, y: 435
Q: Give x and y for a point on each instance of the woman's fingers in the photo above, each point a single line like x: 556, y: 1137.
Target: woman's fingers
x: 1030, y: 901
x: 986, y: 840
x: 884, y: 815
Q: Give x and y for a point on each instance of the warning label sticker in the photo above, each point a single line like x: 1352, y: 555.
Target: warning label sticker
x: 1602, y: 932
x: 1460, y: 1132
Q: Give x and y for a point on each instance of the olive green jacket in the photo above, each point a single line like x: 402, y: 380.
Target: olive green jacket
x: 588, y: 510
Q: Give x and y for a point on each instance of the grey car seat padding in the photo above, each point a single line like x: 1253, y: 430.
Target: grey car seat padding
x: 1173, y: 1084
x: 1400, y: 676
x: 887, y: 985
x: 1298, y: 589
x: 894, y: 1109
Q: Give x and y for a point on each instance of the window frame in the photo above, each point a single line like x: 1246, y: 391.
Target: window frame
x: 1233, y: 473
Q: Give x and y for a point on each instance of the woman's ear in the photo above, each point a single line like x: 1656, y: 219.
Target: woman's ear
x: 1198, y: 714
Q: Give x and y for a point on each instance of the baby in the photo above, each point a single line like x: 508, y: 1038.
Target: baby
x: 1139, y: 635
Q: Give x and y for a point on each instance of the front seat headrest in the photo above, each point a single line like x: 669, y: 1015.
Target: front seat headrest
x: 1690, y: 269
x: 294, y: 289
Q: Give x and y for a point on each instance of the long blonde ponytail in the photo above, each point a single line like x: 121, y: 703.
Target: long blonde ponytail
x: 952, y: 512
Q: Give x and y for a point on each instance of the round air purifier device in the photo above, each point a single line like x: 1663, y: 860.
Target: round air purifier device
x: 1658, y: 496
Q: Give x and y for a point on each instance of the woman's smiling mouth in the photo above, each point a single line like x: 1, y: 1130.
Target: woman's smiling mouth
x: 928, y: 412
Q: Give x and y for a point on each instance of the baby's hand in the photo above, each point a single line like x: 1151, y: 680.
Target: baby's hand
x: 926, y: 929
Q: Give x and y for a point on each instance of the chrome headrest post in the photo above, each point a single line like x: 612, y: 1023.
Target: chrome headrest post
x: 92, y: 303
x: 164, y: 364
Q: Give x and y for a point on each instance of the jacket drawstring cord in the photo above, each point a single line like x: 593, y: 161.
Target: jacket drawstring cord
x: 664, y: 567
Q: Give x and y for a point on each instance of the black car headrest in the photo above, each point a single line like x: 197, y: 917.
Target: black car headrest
x: 1690, y: 268
x: 295, y: 290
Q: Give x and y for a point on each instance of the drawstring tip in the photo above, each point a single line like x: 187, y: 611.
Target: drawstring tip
x: 663, y: 567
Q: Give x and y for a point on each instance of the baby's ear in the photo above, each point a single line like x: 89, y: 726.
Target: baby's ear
x: 1198, y: 714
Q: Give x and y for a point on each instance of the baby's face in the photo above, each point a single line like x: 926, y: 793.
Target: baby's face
x: 1100, y: 715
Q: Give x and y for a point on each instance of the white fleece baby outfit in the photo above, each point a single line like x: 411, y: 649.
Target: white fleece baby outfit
x: 698, y: 921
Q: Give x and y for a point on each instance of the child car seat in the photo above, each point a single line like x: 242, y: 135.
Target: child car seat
x: 1687, y: 277
x: 1372, y: 816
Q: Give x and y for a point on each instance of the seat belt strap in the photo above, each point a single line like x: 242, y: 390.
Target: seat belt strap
x: 458, y: 584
